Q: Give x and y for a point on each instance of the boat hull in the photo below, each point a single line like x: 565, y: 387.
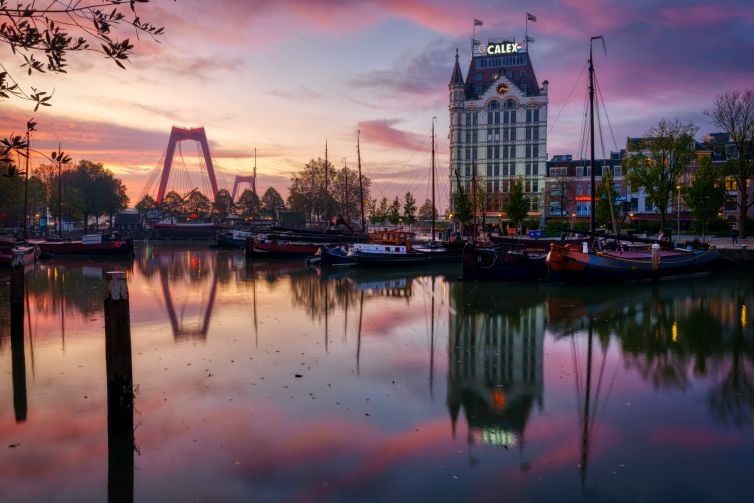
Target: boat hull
x: 123, y: 247
x: 280, y: 248
x: 28, y: 254
x: 502, y: 264
x: 570, y: 264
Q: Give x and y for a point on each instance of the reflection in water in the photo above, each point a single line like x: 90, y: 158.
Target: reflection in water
x: 495, y: 361
x: 320, y: 385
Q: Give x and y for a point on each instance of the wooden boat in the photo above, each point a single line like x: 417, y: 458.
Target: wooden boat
x: 274, y: 246
x: 29, y: 253
x: 502, y: 263
x: 170, y: 227
x: 233, y: 238
x: 109, y: 244
x: 582, y: 264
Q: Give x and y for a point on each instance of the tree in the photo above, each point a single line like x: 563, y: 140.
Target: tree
x: 378, y: 214
x: 462, y: 209
x: 173, y: 204
x: 606, y: 205
x: 427, y: 211
x: 272, y: 203
x: 223, y: 204
x: 307, y: 190
x: 733, y: 112
x: 63, y: 27
x: 668, y: 150
x: 517, y: 204
x: 146, y: 204
x: 197, y: 206
x: 562, y: 195
x: 95, y: 188
x: 249, y: 205
x: 394, y: 212
x: 706, y: 194
x: 346, y: 193
x: 409, y: 209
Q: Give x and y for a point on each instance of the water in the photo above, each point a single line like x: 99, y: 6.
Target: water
x: 274, y: 382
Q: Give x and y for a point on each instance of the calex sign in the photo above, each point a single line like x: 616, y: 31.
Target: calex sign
x: 504, y: 48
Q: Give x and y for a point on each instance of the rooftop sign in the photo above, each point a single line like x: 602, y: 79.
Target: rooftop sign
x: 503, y: 48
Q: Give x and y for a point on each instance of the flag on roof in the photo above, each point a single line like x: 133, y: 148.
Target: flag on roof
x: 531, y: 17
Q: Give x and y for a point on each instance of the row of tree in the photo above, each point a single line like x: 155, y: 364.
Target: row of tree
x: 81, y: 192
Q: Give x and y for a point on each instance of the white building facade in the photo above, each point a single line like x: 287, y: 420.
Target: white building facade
x: 498, y: 127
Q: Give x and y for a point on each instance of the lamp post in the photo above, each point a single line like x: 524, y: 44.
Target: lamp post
x: 678, y: 214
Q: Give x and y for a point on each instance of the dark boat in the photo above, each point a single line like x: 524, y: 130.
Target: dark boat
x: 171, y: 228
x: 9, y: 248
x: 233, y: 238
x: 582, y: 264
x: 502, y: 263
x: 109, y: 244
x: 275, y: 246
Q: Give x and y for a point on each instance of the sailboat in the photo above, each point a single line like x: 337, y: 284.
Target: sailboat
x: 610, y: 261
x: 397, y: 248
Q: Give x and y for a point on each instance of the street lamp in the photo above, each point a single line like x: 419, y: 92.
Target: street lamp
x: 678, y: 214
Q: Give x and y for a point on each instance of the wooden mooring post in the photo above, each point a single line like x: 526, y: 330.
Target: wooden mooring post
x: 18, y: 359
x: 120, y: 390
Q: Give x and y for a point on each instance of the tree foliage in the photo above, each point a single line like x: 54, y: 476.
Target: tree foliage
x: 606, y: 206
x: 309, y: 194
x: 409, y: 209
x: 462, y: 208
x: 223, y: 205
x: 733, y: 113
x: 706, y: 194
x: 517, y: 204
x: 394, y: 211
x: 427, y: 211
x: 668, y: 151
x: 272, y: 203
x: 40, y: 38
x: 197, y: 206
x: 249, y: 206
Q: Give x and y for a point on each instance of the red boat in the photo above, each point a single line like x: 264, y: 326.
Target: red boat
x: 275, y: 247
x: 89, y: 245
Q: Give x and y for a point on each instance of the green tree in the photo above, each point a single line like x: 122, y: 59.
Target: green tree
x: 463, y: 209
x: 146, y: 204
x: 346, y: 193
x: 60, y: 28
x: 307, y: 192
x: 706, y: 194
x: 249, y: 205
x: 606, y: 206
x: 198, y: 206
x: 394, y: 211
x: 409, y: 209
x: 94, y: 187
x: 272, y: 203
x: 517, y: 204
x: 223, y: 205
x: 427, y: 211
x: 733, y: 113
x: 379, y: 211
x: 173, y: 205
x: 668, y: 150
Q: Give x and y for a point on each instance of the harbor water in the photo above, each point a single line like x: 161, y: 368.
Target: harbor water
x: 274, y: 381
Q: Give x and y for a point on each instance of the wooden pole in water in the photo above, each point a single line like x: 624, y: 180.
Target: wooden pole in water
x: 120, y: 393
x: 18, y: 360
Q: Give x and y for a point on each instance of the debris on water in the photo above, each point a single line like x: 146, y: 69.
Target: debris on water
x: 298, y: 375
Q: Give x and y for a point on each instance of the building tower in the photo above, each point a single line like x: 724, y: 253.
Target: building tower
x: 498, y: 127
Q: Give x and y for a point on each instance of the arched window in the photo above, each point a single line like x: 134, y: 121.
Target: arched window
x: 494, y: 105
x: 510, y: 103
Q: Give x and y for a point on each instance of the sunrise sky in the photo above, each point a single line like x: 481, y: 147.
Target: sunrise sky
x: 285, y: 76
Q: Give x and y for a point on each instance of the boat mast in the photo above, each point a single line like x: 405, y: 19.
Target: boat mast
x: 592, y: 204
x: 325, y: 180
x: 433, y: 180
x: 361, y: 185
x: 592, y: 207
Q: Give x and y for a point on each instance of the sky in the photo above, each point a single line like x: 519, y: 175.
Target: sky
x: 289, y: 76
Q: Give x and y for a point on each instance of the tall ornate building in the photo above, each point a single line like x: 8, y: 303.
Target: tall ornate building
x: 498, y: 126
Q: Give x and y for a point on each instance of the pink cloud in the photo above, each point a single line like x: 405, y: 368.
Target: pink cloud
x: 382, y: 132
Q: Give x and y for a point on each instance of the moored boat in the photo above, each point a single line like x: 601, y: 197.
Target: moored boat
x: 109, y: 244
x: 27, y: 252
x: 274, y: 246
x: 171, y: 228
x: 233, y: 238
x: 502, y: 263
x: 580, y: 264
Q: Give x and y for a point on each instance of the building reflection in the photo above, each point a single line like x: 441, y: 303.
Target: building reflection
x: 495, y: 367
